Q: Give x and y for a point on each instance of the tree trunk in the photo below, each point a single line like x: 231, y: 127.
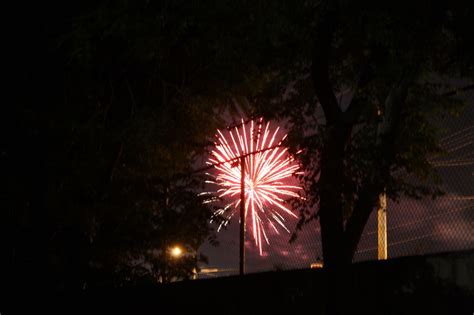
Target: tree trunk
x: 356, y: 223
x: 332, y: 155
x: 331, y: 188
x: 375, y: 183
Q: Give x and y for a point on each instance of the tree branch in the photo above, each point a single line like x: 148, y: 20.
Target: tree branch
x: 354, y: 110
x: 460, y: 90
x: 375, y: 183
x: 357, y: 221
x: 320, y: 67
x: 117, y: 161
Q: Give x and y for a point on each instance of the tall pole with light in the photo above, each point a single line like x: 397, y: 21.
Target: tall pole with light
x: 385, y: 120
x: 382, y: 227
x: 242, y: 216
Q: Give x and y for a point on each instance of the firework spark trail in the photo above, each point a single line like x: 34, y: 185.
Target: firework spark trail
x: 267, y: 166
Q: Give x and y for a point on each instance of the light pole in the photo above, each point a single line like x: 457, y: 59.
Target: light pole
x: 242, y: 216
x: 382, y: 226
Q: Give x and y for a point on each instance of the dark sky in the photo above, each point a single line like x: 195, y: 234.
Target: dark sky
x: 414, y: 226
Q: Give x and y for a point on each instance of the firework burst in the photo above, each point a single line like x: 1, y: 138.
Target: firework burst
x: 267, y: 167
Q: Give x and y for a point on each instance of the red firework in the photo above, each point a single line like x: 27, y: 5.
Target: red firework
x: 267, y: 166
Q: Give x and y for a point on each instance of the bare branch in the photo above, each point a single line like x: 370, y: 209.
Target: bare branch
x: 320, y: 68
x: 460, y: 90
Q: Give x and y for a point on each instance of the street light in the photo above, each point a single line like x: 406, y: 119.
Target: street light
x: 176, y: 251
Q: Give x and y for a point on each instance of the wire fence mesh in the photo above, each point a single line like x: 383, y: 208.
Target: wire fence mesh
x: 413, y: 227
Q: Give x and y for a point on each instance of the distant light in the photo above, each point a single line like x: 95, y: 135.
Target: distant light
x: 209, y: 270
x: 176, y: 251
x: 316, y: 265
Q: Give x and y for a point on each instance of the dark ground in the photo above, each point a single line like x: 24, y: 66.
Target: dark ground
x: 435, y: 284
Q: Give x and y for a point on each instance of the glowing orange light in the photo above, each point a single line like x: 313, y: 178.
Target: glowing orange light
x: 316, y: 265
x: 267, y: 166
x: 176, y: 251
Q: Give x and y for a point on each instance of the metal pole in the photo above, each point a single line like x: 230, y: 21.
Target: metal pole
x: 382, y: 226
x: 242, y: 216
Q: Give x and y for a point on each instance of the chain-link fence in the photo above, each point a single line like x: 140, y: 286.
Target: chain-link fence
x: 413, y: 227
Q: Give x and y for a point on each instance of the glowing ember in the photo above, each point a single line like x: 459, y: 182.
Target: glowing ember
x: 266, y: 169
